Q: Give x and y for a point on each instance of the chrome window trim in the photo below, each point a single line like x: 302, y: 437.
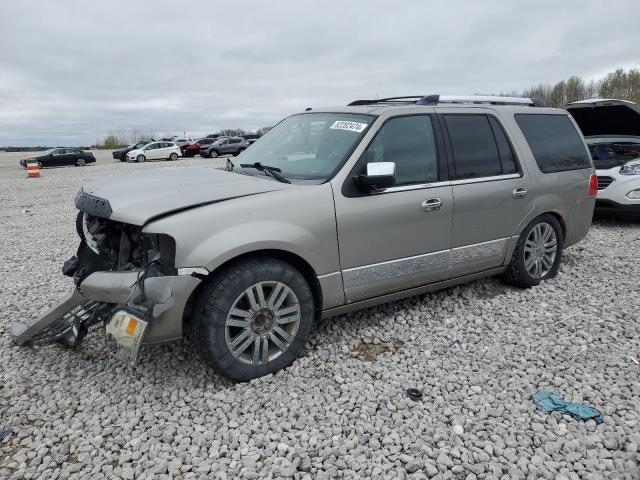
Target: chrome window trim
x: 415, y: 186
x: 493, y: 178
x: 420, y: 186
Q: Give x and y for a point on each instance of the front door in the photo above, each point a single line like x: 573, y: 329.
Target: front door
x: 399, y: 237
x: 491, y: 190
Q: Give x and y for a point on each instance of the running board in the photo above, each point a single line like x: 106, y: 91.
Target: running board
x: 62, y: 322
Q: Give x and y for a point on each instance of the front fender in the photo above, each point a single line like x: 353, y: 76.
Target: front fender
x: 299, y: 220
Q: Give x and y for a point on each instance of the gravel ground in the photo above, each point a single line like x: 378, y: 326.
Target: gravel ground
x: 477, y: 352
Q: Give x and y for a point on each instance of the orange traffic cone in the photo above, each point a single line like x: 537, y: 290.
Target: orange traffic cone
x: 33, y: 169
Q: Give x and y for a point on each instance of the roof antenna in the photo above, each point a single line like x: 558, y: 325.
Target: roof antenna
x: 308, y: 109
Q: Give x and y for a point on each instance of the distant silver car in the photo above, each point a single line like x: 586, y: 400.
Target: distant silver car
x: 331, y: 211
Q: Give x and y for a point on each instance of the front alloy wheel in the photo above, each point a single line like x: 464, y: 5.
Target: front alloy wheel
x: 262, y: 323
x: 253, y: 317
x: 81, y: 162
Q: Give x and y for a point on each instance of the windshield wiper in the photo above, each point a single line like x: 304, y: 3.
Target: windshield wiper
x: 273, y: 171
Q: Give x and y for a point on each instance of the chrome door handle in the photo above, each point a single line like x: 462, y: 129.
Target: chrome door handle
x: 520, y: 192
x: 432, y: 205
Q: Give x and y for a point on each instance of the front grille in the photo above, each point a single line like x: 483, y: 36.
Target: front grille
x: 604, y: 182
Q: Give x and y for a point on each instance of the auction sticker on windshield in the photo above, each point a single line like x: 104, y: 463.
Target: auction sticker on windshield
x: 351, y: 126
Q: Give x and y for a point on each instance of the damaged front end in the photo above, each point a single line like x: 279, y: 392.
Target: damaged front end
x: 125, y: 280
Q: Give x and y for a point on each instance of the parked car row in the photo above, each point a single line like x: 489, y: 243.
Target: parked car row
x: 211, y: 147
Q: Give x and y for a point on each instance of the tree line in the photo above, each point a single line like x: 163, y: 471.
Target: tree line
x: 619, y: 84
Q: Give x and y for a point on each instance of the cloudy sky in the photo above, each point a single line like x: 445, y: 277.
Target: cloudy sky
x: 70, y: 71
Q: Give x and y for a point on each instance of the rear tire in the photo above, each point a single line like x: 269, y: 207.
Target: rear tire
x: 253, y: 318
x: 141, y: 158
x: 538, y: 253
x: 173, y: 157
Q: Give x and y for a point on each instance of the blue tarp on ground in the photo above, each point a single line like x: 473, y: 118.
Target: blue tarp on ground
x: 550, y: 402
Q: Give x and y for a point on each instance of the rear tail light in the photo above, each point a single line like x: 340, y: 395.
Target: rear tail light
x: 593, y: 186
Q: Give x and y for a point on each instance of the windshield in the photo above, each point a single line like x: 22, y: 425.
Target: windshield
x: 309, y: 146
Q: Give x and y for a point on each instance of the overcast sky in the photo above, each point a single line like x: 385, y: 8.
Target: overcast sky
x: 70, y: 71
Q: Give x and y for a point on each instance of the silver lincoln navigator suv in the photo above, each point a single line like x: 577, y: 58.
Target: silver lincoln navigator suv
x: 333, y: 210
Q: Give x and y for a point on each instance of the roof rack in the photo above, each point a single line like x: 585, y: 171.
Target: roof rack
x: 439, y: 99
x: 411, y: 99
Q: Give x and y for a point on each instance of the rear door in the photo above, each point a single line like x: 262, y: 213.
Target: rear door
x: 152, y: 151
x: 492, y: 193
x: 164, y: 150
x: 72, y: 155
x: 399, y: 237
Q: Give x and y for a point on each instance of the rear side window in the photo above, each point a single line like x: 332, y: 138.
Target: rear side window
x: 554, y: 142
x: 480, y: 146
x: 507, y: 158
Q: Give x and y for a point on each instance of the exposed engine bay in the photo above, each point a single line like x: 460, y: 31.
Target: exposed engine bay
x: 613, y: 154
x: 107, y: 245
x: 124, y: 279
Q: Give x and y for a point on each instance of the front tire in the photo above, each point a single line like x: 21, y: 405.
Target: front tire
x: 538, y: 253
x: 213, y: 153
x: 81, y: 162
x: 141, y: 158
x: 253, y: 318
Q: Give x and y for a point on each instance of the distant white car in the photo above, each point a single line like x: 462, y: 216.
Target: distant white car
x: 612, y: 131
x: 155, y: 151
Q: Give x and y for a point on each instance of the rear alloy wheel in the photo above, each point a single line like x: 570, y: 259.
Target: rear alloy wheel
x: 80, y: 162
x: 140, y: 158
x: 538, y: 253
x: 253, y: 318
x: 40, y: 165
x: 173, y: 156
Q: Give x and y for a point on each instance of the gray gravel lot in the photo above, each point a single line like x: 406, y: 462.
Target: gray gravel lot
x: 478, y: 352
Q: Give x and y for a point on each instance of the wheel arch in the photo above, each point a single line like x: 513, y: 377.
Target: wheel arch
x: 291, y: 258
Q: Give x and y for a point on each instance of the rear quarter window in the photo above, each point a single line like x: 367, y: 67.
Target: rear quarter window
x: 554, y: 141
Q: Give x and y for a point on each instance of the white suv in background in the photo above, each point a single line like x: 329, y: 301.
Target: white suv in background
x: 155, y: 151
x: 612, y: 131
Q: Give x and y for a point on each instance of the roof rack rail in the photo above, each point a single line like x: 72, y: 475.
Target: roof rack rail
x: 406, y: 99
x: 483, y: 99
x: 439, y: 99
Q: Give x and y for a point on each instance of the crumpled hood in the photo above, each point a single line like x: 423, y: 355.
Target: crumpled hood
x: 140, y: 197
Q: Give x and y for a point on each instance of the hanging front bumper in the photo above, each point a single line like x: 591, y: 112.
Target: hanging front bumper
x: 98, y: 298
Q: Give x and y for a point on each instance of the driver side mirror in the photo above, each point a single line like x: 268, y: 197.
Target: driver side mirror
x: 378, y: 175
